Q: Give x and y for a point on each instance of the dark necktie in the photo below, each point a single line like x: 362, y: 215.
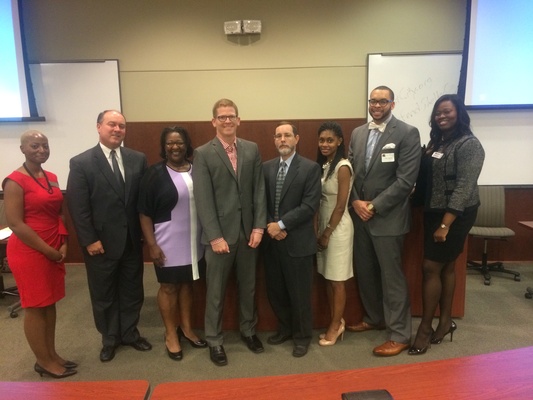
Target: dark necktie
x: 116, y: 170
x: 279, y: 185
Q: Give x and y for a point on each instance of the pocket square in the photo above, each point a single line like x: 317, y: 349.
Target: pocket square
x: 389, y: 146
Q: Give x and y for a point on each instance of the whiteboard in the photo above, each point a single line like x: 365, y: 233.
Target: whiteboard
x: 70, y: 95
x: 417, y: 80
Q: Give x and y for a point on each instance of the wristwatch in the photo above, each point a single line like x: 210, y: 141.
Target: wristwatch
x: 443, y: 226
x: 370, y: 207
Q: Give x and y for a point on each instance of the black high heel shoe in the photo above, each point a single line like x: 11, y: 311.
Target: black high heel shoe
x: 177, y: 356
x: 174, y: 355
x: 41, y: 371
x: 452, y: 329
x: 70, y: 364
x: 199, y: 344
x: 415, y: 351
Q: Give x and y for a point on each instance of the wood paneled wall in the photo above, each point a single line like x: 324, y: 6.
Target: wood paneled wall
x: 144, y: 136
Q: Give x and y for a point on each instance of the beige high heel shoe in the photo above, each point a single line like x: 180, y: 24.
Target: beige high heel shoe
x: 323, y: 335
x: 340, y: 333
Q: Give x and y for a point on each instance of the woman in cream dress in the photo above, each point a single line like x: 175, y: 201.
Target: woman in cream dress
x: 335, y: 227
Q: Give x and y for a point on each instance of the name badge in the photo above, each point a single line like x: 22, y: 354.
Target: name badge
x: 387, y: 157
x: 437, y: 155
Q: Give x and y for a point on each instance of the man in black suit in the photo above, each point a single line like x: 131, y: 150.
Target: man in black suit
x: 102, y: 190
x: 293, y: 195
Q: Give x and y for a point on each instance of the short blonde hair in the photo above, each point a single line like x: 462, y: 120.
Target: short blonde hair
x: 224, y: 103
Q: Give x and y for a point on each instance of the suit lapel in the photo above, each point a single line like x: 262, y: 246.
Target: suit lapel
x: 240, y: 158
x: 273, y: 176
x: 126, y: 163
x: 219, y: 150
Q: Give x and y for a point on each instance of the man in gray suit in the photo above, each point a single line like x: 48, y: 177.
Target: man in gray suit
x: 229, y: 191
x: 293, y: 197
x: 102, y: 191
x: 385, y: 155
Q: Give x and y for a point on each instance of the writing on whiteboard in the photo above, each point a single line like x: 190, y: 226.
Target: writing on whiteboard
x: 415, y: 102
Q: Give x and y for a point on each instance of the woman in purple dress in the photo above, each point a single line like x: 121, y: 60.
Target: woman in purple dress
x: 170, y: 226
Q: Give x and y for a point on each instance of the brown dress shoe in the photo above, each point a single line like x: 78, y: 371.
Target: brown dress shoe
x: 390, y: 348
x: 363, y: 326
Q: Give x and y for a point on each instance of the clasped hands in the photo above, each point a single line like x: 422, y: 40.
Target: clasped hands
x: 275, y: 232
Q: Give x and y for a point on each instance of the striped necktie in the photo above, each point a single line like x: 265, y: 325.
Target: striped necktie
x: 279, y: 185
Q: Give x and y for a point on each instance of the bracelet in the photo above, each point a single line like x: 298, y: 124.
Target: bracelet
x: 330, y: 227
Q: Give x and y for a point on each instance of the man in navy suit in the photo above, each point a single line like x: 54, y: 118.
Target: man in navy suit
x: 102, y: 191
x: 385, y: 155
x: 293, y: 191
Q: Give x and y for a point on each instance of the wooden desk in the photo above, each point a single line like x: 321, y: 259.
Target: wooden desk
x: 527, y: 224
x: 503, y: 375
x: 106, y: 390
x: 412, y: 263
x: 3, y: 245
x: 529, y: 290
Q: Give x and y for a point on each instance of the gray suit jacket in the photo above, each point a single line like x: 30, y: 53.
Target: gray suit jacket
x: 390, y: 177
x: 96, y: 206
x: 299, y: 202
x: 225, y: 200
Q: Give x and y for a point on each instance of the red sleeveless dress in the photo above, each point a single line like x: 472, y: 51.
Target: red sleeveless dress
x: 40, y: 282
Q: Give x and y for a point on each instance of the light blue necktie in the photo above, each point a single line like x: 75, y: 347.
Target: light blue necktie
x: 372, y: 140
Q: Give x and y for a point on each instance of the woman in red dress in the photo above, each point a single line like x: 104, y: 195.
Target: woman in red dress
x: 36, y: 250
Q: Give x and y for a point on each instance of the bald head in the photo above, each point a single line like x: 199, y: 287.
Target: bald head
x: 31, y: 134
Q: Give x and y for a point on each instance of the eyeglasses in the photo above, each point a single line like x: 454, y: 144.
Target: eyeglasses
x: 382, y: 102
x: 172, y: 144
x: 223, y: 118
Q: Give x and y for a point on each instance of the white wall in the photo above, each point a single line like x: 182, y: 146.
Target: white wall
x: 309, y: 62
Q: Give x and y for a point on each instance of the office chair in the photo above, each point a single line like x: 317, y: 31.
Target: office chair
x: 490, y: 224
x: 4, y: 267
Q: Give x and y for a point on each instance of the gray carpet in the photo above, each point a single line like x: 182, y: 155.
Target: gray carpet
x: 497, y: 317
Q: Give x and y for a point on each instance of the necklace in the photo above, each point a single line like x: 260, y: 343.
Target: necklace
x: 180, y: 168
x: 50, y: 190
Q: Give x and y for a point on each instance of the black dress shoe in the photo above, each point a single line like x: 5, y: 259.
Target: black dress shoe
x: 199, y: 344
x: 141, y: 344
x: 253, y: 343
x: 177, y: 356
x: 107, y: 353
x: 41, y: 371
x: 299, y: 350
x: 218, y: 355
x: 278, y: 338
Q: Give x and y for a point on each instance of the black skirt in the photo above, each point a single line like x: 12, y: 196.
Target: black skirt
x: 181, y: 274
x: 449, y: 250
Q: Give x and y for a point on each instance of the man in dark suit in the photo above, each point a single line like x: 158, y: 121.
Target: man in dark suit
x: 229, y: 191
x: 385, y: 155
x: 293, y: 197
x: 102, y: 190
